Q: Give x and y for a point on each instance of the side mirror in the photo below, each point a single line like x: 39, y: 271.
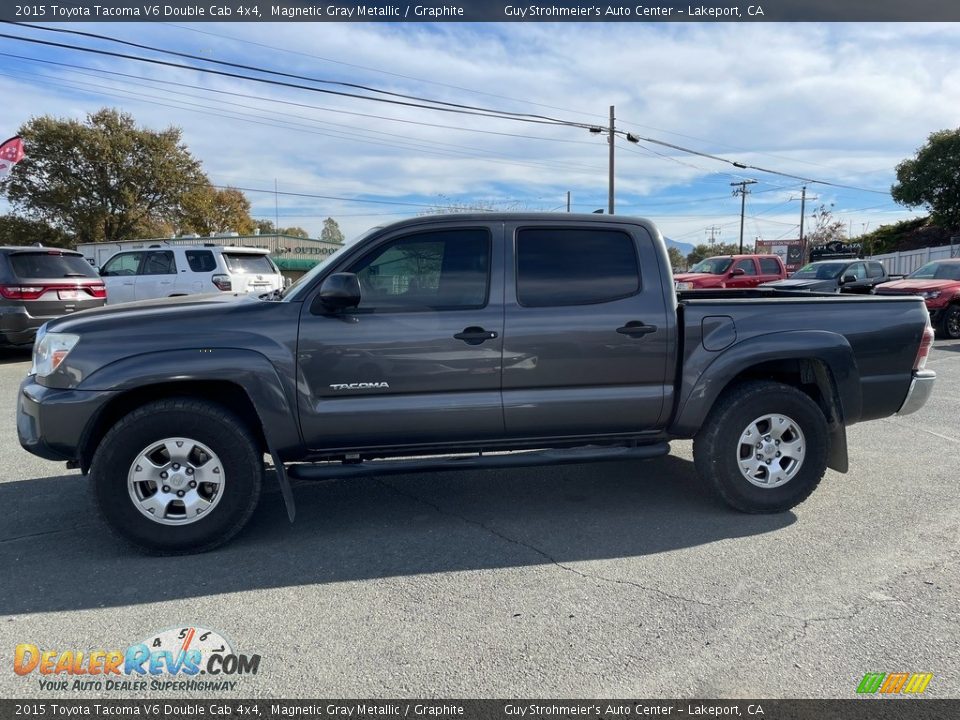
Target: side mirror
x: 847, y: 279
x: 737, y: 271
x: 339, y: 291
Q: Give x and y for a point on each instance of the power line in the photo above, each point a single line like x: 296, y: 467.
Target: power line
x: 446, y: 107
x: 380, y: 71
x: 438, y: 105
x: 98, y: 71
x: 408, y: 143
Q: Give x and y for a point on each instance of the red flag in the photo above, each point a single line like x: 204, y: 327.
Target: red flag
x: 11, y: 152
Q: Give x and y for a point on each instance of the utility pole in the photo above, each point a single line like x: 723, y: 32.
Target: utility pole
x: 742, y: 192
x: 714, y: 230
x: 568, y: 201
x: 276, y: 208
x: 803, y: 210
x: 610, y: 139
x: 611, y: 131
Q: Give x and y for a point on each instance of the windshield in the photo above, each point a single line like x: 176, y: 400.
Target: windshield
x: 294, y: 291
x: 937, y: 271
x: 712, y: 266
x: 820, y: 271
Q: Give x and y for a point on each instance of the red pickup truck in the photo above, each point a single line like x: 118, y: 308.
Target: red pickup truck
x: 732, y: 271
x: 938, y: 283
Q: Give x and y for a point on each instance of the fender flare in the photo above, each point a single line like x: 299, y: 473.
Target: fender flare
x: 840, y: 386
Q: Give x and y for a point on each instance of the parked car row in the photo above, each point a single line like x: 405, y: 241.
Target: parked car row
x: 937, y: 282
x: 38, y: 284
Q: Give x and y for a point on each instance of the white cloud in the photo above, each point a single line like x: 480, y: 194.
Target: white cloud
x: 833, y: 101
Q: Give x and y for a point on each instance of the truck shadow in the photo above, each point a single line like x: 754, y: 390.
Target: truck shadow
x: 56, y: 554
x: 9, y: 356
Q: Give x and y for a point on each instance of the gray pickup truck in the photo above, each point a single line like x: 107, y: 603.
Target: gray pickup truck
x: 462, y: 341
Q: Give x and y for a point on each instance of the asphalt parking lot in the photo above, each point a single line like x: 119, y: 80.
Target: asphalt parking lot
x: 610, y: 580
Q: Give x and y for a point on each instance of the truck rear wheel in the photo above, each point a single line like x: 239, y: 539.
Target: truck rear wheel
x: 763, y: 447
x: 177, y: 476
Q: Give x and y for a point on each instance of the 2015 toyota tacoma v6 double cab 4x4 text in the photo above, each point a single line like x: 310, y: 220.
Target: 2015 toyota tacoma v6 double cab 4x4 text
x: 463, y: 341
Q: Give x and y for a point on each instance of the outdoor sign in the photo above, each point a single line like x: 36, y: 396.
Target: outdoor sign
x: 790, y: 251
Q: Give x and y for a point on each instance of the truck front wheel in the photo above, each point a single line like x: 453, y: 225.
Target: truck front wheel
x: 177, y: 476
x: 763, y: 447
x: 950, y: 322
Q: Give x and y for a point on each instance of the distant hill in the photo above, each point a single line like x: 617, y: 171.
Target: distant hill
x: 685, y: 248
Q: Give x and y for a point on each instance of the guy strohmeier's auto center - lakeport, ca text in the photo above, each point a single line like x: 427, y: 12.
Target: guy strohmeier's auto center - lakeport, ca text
x: 368, y: 12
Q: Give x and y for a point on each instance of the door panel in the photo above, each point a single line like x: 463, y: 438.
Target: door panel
x: 119, y: 275
x: 598, y: 366
x: 391, y: 372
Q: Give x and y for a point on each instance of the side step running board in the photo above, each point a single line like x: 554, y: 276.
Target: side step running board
x: 593, y: 453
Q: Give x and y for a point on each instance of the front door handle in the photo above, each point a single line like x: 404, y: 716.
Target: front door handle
x: 475, y: 335
x: 636, y: 329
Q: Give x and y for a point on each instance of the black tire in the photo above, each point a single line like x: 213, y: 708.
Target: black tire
x: 717, y: 446
x: 204, y: 422
x: 949, y: 325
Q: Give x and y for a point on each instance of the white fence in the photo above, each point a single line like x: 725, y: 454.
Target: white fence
x: 906, y: 261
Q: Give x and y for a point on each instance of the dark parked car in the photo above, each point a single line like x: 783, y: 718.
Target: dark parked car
x: 39, y: 284
x: 462, y: 341
x: 848, y: 276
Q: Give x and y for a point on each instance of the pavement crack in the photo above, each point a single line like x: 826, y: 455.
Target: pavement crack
x: 595, y: 577
x: 28, y: 536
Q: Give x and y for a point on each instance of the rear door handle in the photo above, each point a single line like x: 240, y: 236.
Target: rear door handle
x: 635, y: 328
x: 475, y: 335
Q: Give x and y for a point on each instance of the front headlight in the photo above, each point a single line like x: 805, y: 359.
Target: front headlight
x: 49, y: 350
x: 930, y: 294
x: 684, y: 286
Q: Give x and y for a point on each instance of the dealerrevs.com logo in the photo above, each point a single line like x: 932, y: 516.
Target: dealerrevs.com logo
x: 184, y: 658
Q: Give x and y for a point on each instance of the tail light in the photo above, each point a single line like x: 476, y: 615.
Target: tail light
x: 222, y: 282
x: 22, y: 292
x: 35, y: 292
x: 925, y: 343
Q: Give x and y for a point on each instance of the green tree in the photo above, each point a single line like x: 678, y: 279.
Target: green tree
x: 16, y: 230
x: 677, y: 260
x: 825, y: 227
x: 703, y: 250
x: 267, y: 227
x: 932, y: 179
x: 104, y: 178
x: 209, y: 210
x: 331, y: 231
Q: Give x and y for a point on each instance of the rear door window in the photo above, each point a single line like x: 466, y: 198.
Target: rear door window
x: 876, y: 269
x: 557, y: 267
x: 248, y: 264
x: 159, y: 262
x: 47, y: 265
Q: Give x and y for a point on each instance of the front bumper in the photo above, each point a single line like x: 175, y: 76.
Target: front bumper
x: 53, y: 423
x: 920, y: 389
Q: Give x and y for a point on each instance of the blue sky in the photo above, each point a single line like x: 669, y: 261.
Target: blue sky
x: 835, y: 102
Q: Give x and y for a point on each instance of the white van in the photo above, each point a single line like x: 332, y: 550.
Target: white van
x: 172, y: 270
